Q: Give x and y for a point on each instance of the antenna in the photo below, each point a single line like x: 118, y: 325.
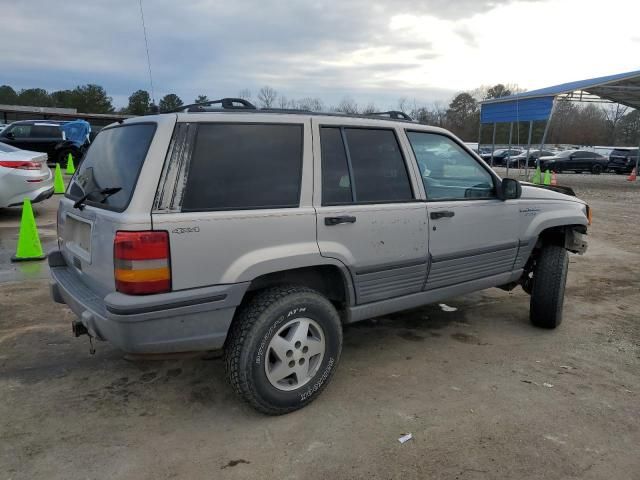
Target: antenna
x: 146, y: 44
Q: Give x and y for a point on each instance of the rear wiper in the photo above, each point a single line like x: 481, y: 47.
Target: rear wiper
x: 105, y: 192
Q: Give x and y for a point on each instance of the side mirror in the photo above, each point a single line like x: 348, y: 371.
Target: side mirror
x: 10, y: 135
x: 510, y: 189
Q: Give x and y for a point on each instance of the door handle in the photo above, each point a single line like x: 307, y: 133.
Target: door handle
x: 338, y: 220
x: 441, y: 214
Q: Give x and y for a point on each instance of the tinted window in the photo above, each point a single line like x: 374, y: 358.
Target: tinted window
x: 241, y: 166
x: 46, y: 131
x: 20, y: 131
x: 336, y: 183
x: 379, y: 172
x: 447, y: 170
x: 114, y: 159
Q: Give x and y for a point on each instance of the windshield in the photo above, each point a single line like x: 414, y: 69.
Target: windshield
x: 113, y: 160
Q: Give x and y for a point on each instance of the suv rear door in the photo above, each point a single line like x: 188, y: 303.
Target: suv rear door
x: 368, y: 214
x: 235, y: 197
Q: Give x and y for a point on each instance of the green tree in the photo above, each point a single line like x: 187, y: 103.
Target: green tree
x: 63, y: 99
x: 8, y: 95
x: 463, y: 116
x: 35, y: 97
x: 170, y: 102
x: 92, y: 98
x: 498, y: 91
x: 201, y: 99
x: 139, y: 103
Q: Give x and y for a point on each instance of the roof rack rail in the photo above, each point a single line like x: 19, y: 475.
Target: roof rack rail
x: 227, y: 104
x: 395, y: 114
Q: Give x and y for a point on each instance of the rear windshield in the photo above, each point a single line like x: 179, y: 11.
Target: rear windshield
x: 624, y: 153
x: 114, y: 159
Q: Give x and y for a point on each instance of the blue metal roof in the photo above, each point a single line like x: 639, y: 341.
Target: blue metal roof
x: 517, y: 110
x: 621, y: 88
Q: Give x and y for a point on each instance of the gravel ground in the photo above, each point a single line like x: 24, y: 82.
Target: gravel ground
x: 484, y: 394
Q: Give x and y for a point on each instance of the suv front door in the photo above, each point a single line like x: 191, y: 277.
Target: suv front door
x: 368, y: 216
x: 472, y: 234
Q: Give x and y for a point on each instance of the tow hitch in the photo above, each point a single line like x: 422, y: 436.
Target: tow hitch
x: 79, y: 329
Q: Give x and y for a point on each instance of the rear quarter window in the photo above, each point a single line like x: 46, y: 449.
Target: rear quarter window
x: 244, y: 166
x: 114, y: 159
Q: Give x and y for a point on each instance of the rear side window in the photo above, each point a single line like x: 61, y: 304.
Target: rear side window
x: 46, y: 131
x: 114, y: 159
x: 367, y: 168
x: 244, y: 166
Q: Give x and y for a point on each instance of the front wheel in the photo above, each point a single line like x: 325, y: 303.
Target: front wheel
x: 283, y: 348
x: 547, y: 288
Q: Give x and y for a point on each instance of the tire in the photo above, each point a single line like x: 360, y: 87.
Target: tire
x: 596, y: 169
x: 547, y: 292
x: 63, y: 155
x: 250, y: 349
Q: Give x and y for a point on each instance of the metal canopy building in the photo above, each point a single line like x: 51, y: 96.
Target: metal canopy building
x: 623, y: 88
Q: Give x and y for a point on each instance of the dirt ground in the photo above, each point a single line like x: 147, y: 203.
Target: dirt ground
x: 484, y: 394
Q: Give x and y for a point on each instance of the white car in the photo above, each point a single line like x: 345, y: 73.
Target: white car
x: 23, y: 174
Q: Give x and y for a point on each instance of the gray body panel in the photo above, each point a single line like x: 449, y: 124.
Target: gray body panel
x: 393, y: 257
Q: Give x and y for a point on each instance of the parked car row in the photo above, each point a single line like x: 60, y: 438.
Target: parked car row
x: 57, y: 139
x: 621, y: 160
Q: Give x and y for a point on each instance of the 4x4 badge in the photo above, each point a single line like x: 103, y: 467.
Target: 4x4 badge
x: 186, y: 230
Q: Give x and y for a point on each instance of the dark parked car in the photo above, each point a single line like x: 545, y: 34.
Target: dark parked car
x: 622, y: 160
x: 575, y: 161
x: 42, y: 136
x: 519, y: 160
x: 500, y: 155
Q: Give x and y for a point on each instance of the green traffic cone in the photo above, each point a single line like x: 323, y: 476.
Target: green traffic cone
x: 71, y: 169
x: 547, y: 177
x: 58, y: 182
x: 536, y: 176
x: 29, y: 247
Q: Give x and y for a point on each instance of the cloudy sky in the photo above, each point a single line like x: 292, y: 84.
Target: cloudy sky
x: 369, y: 50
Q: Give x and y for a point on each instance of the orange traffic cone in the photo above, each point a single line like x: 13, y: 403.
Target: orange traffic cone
x: 554, y: 178
x: 633, y: 175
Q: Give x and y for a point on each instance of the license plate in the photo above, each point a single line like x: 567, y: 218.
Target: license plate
x: 78, y: 236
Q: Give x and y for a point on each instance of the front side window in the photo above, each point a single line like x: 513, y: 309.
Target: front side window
x: 244, y: 166
x: 447, y: 170
x: 361, y: 165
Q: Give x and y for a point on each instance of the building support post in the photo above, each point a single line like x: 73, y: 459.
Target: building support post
x: 526, y: 159
x: 493, y: 143
x: 509, y: 151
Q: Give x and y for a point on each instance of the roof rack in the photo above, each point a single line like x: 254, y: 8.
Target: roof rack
x: 227, y: 104
x: 395, y: 114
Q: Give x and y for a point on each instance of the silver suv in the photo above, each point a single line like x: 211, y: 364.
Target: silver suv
x: 262, y: 232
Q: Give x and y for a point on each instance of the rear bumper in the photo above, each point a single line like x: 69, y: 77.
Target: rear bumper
x: 179, y: 321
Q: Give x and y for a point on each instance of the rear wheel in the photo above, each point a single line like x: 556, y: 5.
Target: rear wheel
x: 283, y: 348
x: 548, y: 285
x: 596, y: 169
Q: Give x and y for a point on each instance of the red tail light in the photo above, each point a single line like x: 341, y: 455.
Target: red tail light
x: 20, y: 164
x: 142, y: 263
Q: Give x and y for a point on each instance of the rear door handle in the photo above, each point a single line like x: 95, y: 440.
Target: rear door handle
x: 338, y: 220
x: 441, y: 214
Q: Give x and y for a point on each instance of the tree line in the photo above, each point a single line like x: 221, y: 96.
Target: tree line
x: 572, y: 123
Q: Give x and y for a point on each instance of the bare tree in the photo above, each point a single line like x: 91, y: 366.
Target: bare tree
x: 245, y: 94
x: 613, y: 113
x: 267, y: 96
x: 403, y: 104
x: 284, y: 102
x: 369, y: 109
x: 309, y: 103
x: 347, y: 105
